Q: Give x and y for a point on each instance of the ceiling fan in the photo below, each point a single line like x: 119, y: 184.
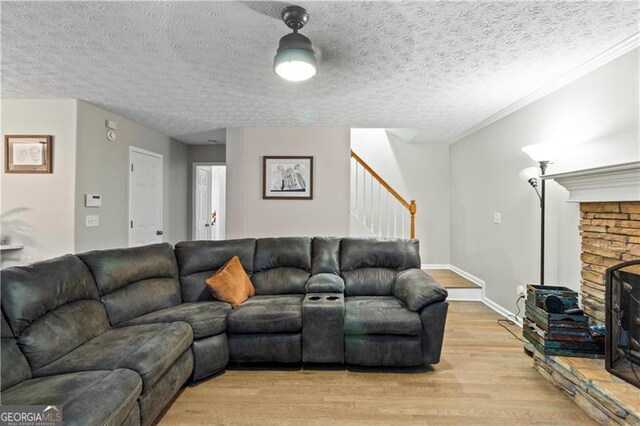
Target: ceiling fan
x: 295, y: 60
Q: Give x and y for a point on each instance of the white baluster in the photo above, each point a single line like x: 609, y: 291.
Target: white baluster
x: 379, y: 210
x: 395, y: 219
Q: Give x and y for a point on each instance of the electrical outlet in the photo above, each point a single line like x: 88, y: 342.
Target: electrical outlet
x: 521, y: 290
x: 91, y: 220
x: 497, y: 217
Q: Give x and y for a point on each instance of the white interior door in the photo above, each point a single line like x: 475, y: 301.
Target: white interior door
x: 218, y: 201
x: 203, y: 203
x: 145, y: 197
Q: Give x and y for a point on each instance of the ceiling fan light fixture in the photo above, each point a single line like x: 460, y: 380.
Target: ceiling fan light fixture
x: 295, y: 60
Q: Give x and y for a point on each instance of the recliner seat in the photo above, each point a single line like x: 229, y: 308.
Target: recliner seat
x: 52, y: 308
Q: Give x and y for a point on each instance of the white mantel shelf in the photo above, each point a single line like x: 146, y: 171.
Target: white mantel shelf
x: 620, y: 182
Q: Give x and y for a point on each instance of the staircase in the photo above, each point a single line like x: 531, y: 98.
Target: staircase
x: 377, y: 210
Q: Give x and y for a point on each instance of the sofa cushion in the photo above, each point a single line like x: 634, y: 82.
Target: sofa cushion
x: 280, y: 281
x: 205, y: 318
x: 416, y: 289
x: 325, y: 283
x: 294, y: 252
x: 29, y: 292
x: 389, y: 253
x: 14, y: 365
x: 267, y: 314
x: 281, y: 265
x: 369, y: 282
x: 379, y: 315
x: 87, y: 398
x: 325, y: 255
x: 231, y: 283
x: 135, y: 281
x: 148, y: 349
x: 369, y: 265
x: 197, y: 260
x: 52, y: 307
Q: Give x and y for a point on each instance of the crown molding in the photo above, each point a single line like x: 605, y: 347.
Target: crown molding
x: 609, y: 55
x: 619, y: 182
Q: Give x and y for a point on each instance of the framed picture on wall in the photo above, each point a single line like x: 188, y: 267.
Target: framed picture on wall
x: 27, y: 153
x: 287, y: 178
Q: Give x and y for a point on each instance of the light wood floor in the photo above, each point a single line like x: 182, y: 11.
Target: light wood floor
x: 449, y: 279
x: 483, y: 378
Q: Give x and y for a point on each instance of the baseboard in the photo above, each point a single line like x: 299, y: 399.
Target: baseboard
x: 484, y: 299
x: 465, y: 294
x: 468, y: 276
x: 502, y: 311
x: 436, y: 266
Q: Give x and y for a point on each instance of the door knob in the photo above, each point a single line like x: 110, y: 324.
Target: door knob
x: 159, y: 232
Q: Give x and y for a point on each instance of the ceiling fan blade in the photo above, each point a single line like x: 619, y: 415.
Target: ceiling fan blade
x: 271, y: 9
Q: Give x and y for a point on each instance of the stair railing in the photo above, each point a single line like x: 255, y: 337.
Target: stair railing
x: 377, y: 205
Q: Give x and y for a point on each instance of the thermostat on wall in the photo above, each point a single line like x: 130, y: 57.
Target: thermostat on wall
x: 92, y: 200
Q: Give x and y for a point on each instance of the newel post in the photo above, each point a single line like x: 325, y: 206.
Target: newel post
x: 412, y: 210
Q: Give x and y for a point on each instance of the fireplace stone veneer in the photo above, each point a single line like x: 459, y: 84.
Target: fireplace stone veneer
x: 610, y: 234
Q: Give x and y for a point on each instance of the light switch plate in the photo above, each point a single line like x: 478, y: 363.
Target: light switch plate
x: 497, y: 218
x: 92, y: 220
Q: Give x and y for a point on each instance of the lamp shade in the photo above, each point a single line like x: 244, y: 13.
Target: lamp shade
x: 295, y: 60
x: 529, y: 173
x: 542, y: 151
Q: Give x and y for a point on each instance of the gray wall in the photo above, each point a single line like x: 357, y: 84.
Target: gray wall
x: 251, y: 216
x: 207, y: 153
x: 601, y: 111
x: 37, y: 209
x: 102, y: 168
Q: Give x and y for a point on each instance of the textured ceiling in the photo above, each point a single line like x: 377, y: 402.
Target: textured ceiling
x: 187, y: 68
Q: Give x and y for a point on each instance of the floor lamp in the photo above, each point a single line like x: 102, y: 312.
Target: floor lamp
x: 542, y: 154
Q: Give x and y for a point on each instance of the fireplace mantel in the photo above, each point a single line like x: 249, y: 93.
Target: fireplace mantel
x: 620, y: 182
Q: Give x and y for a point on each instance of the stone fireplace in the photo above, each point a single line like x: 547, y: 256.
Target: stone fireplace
x: 610, y: 233
x: 609, y: 200
x: 609, y: 227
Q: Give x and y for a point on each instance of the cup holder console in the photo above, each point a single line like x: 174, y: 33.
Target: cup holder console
x: 322, y: 328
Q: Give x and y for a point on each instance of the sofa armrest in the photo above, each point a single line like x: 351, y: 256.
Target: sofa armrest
x: 416, y: 289
x: 325, y: 283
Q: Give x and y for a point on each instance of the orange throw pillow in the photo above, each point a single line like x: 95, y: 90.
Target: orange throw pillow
x: 231, y: 283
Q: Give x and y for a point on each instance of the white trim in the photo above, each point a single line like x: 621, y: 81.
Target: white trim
x: 468, y: 276
x: 436, y: 266
x: 483, y: 297
x: 619, y: 182
x: 607, y: 56
x: 465, y: 294
x: 133, y: 149
x: 194, y: 166
x: 502, y: 311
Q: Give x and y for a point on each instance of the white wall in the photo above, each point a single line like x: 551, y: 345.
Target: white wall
x: 37, y: 209
x: 416, y: 171
x: 103, y: 168
x: 248, y: 215
x: 601, y: 111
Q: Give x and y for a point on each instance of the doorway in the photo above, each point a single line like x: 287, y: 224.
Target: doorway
x: 209, y: 201
x: 145, y: 197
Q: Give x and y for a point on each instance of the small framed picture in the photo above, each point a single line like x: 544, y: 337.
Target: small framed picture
x: 287, y: 178
x: 27, y: 153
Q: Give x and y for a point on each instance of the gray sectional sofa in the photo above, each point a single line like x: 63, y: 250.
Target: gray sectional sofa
x: 129, y: 327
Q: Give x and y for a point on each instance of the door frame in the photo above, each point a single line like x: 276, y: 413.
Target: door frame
x: 132, y: 150
x: 194, y: 167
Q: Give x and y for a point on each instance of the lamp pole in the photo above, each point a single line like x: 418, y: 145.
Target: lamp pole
x: 543, y: 169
